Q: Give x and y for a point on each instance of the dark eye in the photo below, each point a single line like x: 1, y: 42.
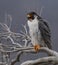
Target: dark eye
x: 30, y: 17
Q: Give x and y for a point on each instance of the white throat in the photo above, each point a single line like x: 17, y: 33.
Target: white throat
x: 33, y: 25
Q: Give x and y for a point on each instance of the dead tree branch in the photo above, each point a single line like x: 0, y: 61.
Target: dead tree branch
x: 51, y: 59
x: 25, y: 48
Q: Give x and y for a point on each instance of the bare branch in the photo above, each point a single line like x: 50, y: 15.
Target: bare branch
x: 48, y: 51
x: 14, y: 42
x: 2, y: 63
x: 41, y: 10
x: 16, y: 59
x: 31, y: 49
x: 51, y: 59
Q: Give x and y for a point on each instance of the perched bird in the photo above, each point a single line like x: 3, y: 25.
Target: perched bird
x: 39, y: 31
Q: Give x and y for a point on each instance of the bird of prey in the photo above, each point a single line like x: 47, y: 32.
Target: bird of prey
x: 39, y: 31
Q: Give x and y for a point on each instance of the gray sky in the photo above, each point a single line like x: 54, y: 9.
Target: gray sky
x: 19, y: 8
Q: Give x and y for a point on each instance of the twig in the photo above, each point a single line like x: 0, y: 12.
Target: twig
x: 41, y: 10
x: 16, y: 59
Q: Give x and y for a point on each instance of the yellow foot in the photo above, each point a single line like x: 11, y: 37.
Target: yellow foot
x: 37, y: 47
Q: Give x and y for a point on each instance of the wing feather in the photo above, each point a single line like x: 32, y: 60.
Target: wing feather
x: 45, y: 33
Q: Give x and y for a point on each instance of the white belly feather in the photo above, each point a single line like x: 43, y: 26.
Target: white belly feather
x: 34, y: 32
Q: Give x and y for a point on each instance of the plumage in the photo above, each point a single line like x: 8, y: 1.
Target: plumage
x: 39, y: 30
x: 45, y: 33
x: 34, y: 31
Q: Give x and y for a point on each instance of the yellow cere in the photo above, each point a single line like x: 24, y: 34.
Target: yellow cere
x: 28, y: 15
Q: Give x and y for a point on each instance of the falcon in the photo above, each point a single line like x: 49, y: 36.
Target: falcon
x: 39, y: 31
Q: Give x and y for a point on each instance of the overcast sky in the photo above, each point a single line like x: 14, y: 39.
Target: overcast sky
x: 19, y: 8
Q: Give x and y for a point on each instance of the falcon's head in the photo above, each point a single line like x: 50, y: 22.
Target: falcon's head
x: 32, y: 15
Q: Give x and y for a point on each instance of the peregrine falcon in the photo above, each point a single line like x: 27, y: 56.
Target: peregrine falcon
x: 39, y: 31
